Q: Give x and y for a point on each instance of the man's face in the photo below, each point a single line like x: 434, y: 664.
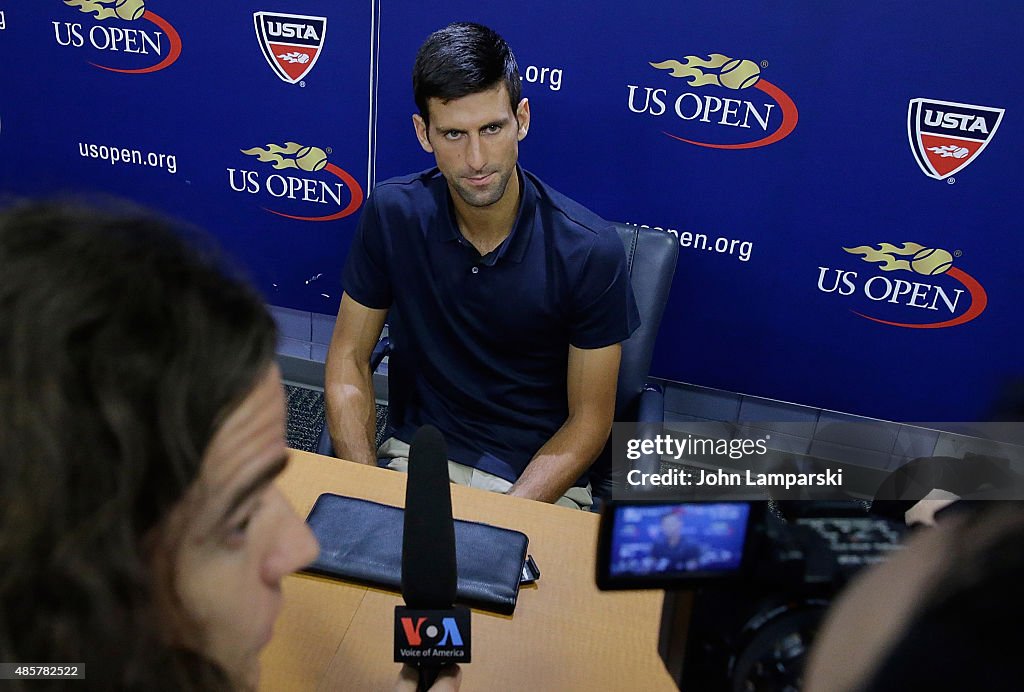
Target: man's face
x: 671, y: 525
x: 237, y: 536
x: 475, y: 140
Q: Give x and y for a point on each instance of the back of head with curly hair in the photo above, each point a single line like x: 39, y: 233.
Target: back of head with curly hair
x: 121, y: 349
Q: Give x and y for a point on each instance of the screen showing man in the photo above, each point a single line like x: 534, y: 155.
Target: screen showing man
x: 677, y: 539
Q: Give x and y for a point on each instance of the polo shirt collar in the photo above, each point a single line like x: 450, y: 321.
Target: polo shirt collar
x: 514, y: 246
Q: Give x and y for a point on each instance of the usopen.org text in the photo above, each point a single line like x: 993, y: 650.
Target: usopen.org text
x: 741, y: 249
x: 134, y: 157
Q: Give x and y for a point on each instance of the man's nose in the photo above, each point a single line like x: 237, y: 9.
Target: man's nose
x: 475, y: 154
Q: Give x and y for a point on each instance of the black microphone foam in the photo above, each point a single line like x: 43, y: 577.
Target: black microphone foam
x: 429, y: 570
x: 430, y: 632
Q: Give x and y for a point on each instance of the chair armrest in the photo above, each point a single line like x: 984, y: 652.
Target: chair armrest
x: 380, y: 351
x: 650, y: 415
x: 324, y: 445
x: 651, y: 406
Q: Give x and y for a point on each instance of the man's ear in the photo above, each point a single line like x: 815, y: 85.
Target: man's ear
x: 421, y: 133
x: 523, y: 118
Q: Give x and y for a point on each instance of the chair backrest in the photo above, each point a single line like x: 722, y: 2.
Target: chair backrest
x: 651, y: 260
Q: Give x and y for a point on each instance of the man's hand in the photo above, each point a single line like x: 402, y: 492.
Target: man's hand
x: 924, y: 511
x: 592, y: 377
x: 348, y: 382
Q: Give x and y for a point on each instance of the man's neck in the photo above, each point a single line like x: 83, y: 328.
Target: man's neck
x: 486, y: 227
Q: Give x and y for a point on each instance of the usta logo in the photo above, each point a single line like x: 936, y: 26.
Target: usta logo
x: 946, y: 137
x: 291, y: 43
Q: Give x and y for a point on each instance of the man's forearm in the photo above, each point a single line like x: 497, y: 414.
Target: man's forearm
x: 561, y: 460
x: 351, y: 411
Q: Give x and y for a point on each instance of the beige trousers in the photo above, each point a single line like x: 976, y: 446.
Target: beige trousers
x: 460, y: 474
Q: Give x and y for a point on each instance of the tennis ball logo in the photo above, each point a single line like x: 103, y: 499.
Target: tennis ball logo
x: 739, y: 74
x: 928, y: 261
x: 931, y: 261
x: 311, y: 159
x: 130, y: 9
x: 290, y: 155
x: 715, y: 70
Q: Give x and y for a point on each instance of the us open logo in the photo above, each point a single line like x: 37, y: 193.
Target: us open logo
x: 291, y: 43
x: 131, y: 38
x: 308, y: 181
x: 725, y: 103
x: 931, y: 294
x: 946, y: 136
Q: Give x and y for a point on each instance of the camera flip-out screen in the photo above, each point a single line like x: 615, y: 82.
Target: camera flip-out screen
x: 671, y: 545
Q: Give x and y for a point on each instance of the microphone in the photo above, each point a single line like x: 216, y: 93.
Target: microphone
x: 429, y: 631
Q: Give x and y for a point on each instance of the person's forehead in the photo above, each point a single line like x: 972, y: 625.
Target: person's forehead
x: 473, y: 109
x: 250, y: 437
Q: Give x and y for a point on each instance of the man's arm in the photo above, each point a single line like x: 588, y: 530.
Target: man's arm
x: 593, y: 374
x: 348, y: 382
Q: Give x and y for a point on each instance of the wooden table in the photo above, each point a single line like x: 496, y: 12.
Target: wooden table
x: 564, y: 635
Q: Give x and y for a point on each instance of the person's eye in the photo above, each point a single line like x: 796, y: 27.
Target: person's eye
x: 452, y: 135
x: 239, y: 529
x: 492, y: 129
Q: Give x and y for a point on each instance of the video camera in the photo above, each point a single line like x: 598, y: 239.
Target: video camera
x: 746, y: 584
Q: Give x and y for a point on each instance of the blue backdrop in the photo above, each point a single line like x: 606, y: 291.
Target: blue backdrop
x: 840, y: 179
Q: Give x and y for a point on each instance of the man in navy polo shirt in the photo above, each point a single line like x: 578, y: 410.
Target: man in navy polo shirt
x: 508, y: 302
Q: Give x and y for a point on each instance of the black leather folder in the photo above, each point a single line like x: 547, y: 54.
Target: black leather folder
x: 361, y: 541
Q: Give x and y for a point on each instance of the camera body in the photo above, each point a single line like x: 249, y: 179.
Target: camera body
x: 746, y: 587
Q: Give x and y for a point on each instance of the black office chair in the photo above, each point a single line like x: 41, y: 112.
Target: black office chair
x: 651, y: 262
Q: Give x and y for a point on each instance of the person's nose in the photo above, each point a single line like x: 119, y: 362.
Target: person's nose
x: 475, y: 157
x: 293, y: 548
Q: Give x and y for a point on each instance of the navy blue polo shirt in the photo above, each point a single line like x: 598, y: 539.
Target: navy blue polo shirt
x: 481, y: 343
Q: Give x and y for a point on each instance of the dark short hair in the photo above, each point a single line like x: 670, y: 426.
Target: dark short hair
x: 122, y: 349
x: 462, y: 59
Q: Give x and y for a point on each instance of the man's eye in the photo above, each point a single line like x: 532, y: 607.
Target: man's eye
x: 492, y: 129
x: 452, y: 135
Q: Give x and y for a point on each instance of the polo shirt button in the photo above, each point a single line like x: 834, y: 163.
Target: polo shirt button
x: 476, y: 270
